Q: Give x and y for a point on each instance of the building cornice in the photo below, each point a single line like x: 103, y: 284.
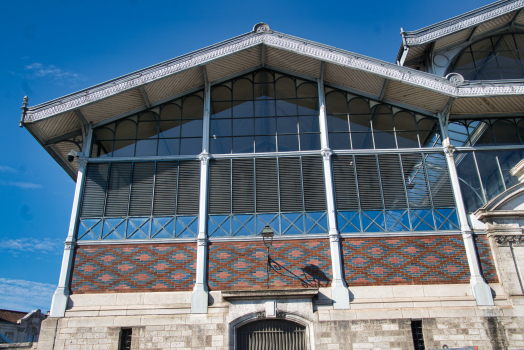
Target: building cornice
x: 458, y: 23
x: 280, y: 41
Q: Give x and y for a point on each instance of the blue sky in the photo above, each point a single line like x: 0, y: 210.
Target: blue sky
x: 52, y: 48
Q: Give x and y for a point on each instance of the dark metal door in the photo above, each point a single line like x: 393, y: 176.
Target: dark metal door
x: 272, y: 335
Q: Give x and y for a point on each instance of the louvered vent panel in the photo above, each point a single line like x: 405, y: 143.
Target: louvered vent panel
x: 368, y: 182
x: 266, y: 185
x: 290, y: 184
x: 392, y: 181
x: 118, y: 190
x: 94, y: 191
x: 415, y: 181
x: 141, y: 189
x: 243, y: 186
x: 345, y: 183
x: 188, y: 187
x: 438, y: 176
x: 165, y: 189
x: 219, y: 186
x: 313, y: 178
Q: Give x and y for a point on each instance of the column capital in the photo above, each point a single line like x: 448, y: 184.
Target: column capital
x: 202, y: 241
x: 326, y: 153
x: 82, y: 161
x: 69, y: 245
x: 449, y: 150
x: 204, y: 158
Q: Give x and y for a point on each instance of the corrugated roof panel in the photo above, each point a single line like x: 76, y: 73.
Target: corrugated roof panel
x: 415, y: 96
x: 520, y: 18
x: 234, y: 63
x: 293, y: 62
x: 451, y: 39
x: 353, y: 78
x: 175, y: 84
x: 64, y: 148
x: 494, y: 23
x: 500, y: 104
x: 112, y: 106
x: 59, y: 125
x: 415, y: 51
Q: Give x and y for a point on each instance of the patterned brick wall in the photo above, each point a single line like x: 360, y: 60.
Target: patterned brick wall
x: 405, y: 260
x: 486, y: 259
x: 134, y: 268
x: 242, y: 265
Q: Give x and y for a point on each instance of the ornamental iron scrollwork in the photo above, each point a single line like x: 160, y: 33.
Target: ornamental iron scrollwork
x: 261, y: 314
x: 455, y: 79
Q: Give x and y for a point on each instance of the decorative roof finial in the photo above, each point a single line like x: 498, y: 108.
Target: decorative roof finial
x: 24, y: 109
x: 261, y: 27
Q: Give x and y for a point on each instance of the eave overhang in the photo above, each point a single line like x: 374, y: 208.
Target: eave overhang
x: 55, y: 123
x: 463, y: 28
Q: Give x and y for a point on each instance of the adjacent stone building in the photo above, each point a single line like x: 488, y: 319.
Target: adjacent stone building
x: 269, y: 192
x: 21, y: 327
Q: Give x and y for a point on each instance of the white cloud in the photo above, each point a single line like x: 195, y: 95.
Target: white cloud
x: 21, y: 295
x: 39, y: 70
x: 7, y: 169
x: 20, y: 245
x: 24, y: 185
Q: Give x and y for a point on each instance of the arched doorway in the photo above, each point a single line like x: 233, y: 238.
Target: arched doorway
x: 273, y: 335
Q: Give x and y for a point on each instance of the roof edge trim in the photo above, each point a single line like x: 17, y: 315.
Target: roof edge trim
x: 464, y: 21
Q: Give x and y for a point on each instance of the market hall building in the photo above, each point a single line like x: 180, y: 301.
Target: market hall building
x: 392, y: 192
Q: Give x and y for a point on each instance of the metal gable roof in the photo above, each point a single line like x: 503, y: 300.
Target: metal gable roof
x: 56, y: 123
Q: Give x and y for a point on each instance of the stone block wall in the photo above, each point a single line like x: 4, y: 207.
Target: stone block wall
x: 134, y: 268
x: 242, y: 265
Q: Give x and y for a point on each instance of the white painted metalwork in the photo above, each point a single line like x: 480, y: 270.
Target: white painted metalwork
x: 481, y: 289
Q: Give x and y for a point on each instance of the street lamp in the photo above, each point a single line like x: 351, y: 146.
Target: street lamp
x: 267, y: 237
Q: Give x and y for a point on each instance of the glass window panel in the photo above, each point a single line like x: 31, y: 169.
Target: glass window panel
x: 170, y: 128
x: 309, y: 142
x: 190, y: 146
x: 265, y: 108
x: 243, y: 127
x: 287, y: 125
x: 221, y: 93
x: 220, y: 127
x: 168, y: 147
x: 221, y: 145
x: 458, y: 134
x: 148, y: 130
x: 307, y: 90
x: 508, y: 59
x: 309, y: 124
x: 191, y: 128
x: 148, y: 117
x: 307, y: 106
x: 482, y: 135
x: 243, y: 109
x: 338, y: 122
x: 360, y: 122
x: 221, y: 109
x: 264, y: 91
x: 404, y: 121
x: 507, y: 43
x: 265, y: 126
x: 362, y: 140
x: 243, y: 90
x: 339, y: 140
x: 265, y: 144
x: 489, y: 174
x: 126, y: 129
x: 124, y: 148
x: 384, y: 139
x: 264, y: 76
x: 146, y: 148
x: 102, y: 148
x: 507, y: 160
x: 286, y: 107
x: 287, y: 143
x: 383, y: 122
x: 336, y: 103
x: 193, y: 108
x: 407, y: 139
x: 484, y: 45
x: 171, y: 112
x: 465, y: 61
x: 243, y: 144
x: 505, y: 132
x: 106, y: 133
x: 358, y: 106
x: 520, y: 127
x: 285, y: 88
